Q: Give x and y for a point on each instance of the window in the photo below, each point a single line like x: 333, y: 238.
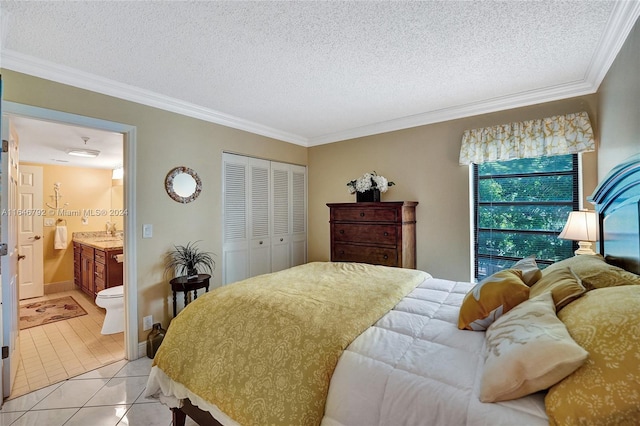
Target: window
x: 520, y: 208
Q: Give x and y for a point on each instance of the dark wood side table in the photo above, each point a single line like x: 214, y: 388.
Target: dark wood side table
x: 185, y: 285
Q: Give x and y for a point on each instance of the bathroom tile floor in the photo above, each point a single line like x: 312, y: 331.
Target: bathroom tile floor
x: 55, y: 352
x: 108, y: 396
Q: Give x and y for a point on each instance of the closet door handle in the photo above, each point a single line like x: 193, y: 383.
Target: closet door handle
x: 281, y: 239
x: 261, y: 242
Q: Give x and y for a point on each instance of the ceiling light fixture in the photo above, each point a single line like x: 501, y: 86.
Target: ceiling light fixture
x: 86, y: 153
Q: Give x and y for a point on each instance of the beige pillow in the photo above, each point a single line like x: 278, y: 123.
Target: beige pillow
x: 605, y: 390
x: 527, y: 350
x: 530, y: 271
x: 563, y: 284
x: 491, y: 298
x: 595, y: 272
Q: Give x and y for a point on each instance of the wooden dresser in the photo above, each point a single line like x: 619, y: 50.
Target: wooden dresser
x: 377, y: 233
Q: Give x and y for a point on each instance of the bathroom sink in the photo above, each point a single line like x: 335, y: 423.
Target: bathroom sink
x: 107, y: 240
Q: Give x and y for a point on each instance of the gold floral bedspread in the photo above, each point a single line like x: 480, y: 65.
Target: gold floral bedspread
x: 263, y: 350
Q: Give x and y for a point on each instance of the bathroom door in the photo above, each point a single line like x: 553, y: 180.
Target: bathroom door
x: 30, y: 240
x: 9, y: 261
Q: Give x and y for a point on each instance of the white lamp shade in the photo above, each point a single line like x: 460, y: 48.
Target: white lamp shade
x: 580, y: 226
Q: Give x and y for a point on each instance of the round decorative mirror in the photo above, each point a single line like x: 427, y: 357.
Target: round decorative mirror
x: 183, y: 184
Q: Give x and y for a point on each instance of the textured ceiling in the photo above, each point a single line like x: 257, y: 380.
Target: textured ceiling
x: 315, y: 72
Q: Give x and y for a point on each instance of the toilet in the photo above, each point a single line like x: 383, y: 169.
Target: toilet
x: 112, y: 299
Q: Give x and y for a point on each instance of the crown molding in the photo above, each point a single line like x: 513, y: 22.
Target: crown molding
x: 66, y: 75
x: 461, y: 111
x: 620, y: 24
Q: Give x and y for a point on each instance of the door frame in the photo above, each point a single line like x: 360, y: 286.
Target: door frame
x: 131, y: 343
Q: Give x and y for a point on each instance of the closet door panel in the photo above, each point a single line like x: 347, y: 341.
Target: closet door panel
x: 298, y: 246
x: 235, y: 249
x: 260, y: 252
x: 281, y: 216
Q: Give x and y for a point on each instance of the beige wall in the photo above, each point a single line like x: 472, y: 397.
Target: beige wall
x: 117, y: 203
x: 423, y: 162
x: 83, y: 189
x: 619, y: 106
x: 164, y: 140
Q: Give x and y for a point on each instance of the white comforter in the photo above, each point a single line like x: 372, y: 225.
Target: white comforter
x: 414, y: 367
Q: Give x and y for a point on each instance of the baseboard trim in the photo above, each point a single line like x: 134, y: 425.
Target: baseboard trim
x: 142, y: 349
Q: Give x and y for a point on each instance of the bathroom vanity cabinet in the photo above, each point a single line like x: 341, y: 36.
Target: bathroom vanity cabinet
x: 96, y: 268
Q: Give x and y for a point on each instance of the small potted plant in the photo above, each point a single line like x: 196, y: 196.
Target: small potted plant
x: 189, y: 260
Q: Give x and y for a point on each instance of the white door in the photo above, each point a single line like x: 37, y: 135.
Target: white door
x: 9, y: 262
x: 298, y: 215
x: 30, y: 241
x: 281, y: 204
x: 235, y: 187
x: 259, y: 220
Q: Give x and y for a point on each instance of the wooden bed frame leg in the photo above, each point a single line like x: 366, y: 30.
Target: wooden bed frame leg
x: 178, y: 417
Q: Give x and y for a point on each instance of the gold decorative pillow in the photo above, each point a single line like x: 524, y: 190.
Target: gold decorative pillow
x: 491, y: 298
x: 595, y: 272
x: 527, y: 350
x: 604, y: 391
x: 563, y: 284
x: 530, y: 271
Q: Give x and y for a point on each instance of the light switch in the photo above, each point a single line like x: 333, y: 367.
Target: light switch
x: 147, y: 230
x: 49, y: 221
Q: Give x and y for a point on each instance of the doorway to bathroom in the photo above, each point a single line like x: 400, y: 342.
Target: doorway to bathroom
x: 69, y: 195
x: 81, y: 199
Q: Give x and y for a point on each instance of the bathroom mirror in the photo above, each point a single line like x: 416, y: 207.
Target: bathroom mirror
x: 183, y: 184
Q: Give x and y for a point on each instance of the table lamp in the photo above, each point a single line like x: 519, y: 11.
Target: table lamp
x: 581, y: 227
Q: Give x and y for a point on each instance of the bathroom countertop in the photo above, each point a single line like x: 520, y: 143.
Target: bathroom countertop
x: 99, y: 240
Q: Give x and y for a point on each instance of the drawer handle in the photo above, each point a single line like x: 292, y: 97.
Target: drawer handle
x: 385, y: 257
x: 281, y: 239
x: 361, y: 214
x: 342, y: 231
x: 386, y: 234
x: 261, y: 242
x: 341, y: 251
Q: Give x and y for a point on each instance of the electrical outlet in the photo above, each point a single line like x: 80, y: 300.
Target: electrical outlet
x: 147, y: 322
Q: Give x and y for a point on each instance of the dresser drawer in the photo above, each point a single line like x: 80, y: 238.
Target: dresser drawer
x: 100, y: 257
x: 360, y: 214
x: 364, y: 254
x: 353, y: 232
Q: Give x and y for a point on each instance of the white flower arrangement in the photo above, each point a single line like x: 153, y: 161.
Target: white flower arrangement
x: 369, y: 181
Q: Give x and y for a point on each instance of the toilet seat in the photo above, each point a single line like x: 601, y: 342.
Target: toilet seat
x: 111, y: 292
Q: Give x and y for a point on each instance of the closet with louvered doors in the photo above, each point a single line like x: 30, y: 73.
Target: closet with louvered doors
x: 264, y: 216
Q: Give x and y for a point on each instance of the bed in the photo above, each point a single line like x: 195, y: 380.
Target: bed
x: 355, y: 344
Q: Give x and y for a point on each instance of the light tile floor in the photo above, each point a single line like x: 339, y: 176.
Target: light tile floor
x: 54, y: 352
x: 108, y: 396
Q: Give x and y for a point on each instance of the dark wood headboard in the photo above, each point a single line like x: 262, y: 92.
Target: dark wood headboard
x: 617, y: 201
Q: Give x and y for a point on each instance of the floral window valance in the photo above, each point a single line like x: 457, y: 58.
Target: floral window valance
x: 558, y: 135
